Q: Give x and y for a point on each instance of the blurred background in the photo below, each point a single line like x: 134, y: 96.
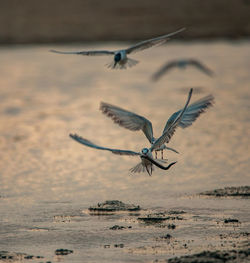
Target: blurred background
x: 45, y: 96
x: 29, y: 21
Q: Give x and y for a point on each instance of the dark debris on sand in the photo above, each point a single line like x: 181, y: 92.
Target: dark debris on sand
x: 113, y: 206
x: 171, y: 226
x: 63, y: 252
x: 166, y: 237
x: 158, y: 217
x: 231, y: 220
x: 243, y: 191
x: 117, y: 227
x: 232, y: 256
x: 176, y: 212
x: 16, y: 256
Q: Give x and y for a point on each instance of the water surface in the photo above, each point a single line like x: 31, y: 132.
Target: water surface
x: 48, y: 180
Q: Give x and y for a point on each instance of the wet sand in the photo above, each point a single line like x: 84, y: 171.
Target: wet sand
x: 48, y: 181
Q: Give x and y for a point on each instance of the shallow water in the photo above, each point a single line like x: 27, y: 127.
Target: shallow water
x: 48, y: 180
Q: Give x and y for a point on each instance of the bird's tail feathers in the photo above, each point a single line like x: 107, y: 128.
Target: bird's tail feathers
x: 128, y: 64
x: 111, y: 64
x: 131, y: 62
x: 140, y: 168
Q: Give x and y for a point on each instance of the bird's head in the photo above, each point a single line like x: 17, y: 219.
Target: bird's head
x: 145, y: 151
x: 117, y: 57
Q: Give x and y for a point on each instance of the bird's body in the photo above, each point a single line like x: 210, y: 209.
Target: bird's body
x: 147, y: 160
x: 120, y: 58
x: 181, y: 64
x: 145, y: 164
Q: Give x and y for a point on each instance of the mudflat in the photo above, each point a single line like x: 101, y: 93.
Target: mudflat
x: 48, y: 181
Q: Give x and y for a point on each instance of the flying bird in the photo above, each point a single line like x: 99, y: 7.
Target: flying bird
x: 147, y: 161
x: 181, y: 64
x: 134, y: 122
x: 120, y: 58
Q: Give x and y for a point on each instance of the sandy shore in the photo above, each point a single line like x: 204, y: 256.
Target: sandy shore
x: 172, y: 236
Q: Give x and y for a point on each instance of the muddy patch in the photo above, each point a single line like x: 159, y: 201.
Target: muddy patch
x: 231, y: 220
x: 6, y: 256
x: 214, y: 257
x: 117, y: 227
x: 63, y: 252
x: 159, y: 218
x: 241, y: 191
x: 111, y: 206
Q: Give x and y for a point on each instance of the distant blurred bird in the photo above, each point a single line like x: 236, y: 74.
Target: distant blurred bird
x: 147, y: 160
x: 181, y: 64
x: 134, y: 122
x: 121, y: 61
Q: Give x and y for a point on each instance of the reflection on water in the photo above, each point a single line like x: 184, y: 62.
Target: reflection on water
x: 45, y: 96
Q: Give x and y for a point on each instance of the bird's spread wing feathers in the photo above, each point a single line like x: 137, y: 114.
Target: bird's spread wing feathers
x: 128, y: 119
x: 192, y: 112
x: 151, y: 42
x: 168, y: 133
x: 86, y: 53
x: 92, y: 145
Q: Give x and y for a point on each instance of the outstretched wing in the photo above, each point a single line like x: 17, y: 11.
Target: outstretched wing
x: 168, y: 133
x: 192, y: 112
x: 92, y: 145
x: 128, y: 119
x: 201, y: 67
x: 86, y: 53
x: 164, y: 69
x: 151, y: 42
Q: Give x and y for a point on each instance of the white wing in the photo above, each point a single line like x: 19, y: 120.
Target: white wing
x: 128, y: 119
x: 151, y: 42
x: 192, y: 112
x: 92, y: 145
x: 169, y: 132
x: 86, y: 53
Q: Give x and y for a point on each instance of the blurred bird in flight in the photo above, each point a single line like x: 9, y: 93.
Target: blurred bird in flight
x: 181, y: 64
x: 120, y: 58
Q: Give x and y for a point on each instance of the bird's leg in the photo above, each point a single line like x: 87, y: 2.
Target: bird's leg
x: 162, y: 154
x: 155, y: 154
